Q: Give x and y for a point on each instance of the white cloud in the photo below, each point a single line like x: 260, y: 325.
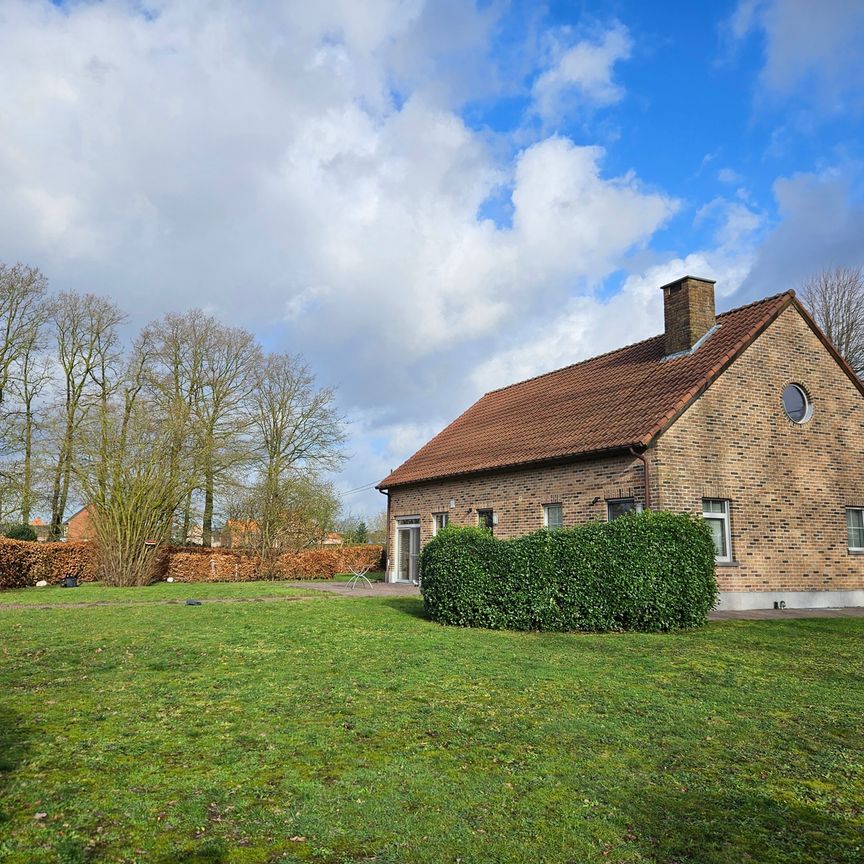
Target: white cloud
x: 582, y: 72
x: 812, y: 51
x: 587, y: 326
x: 302, y: 169
x: 820, y: 225
x: 729, y: 175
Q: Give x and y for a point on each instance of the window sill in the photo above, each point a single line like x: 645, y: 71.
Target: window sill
x: 727, y: 563
x: 855, y: 551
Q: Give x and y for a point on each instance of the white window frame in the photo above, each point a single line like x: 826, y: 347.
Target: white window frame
x: 409, y: 523
x: 443, y: 517
x: 808, y: 404
x: 546, y: 507
x: 849, y: 529
x: 724, y: 518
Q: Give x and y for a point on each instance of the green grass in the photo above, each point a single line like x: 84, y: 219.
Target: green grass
x: 332, y: 730
x: 159, y: 592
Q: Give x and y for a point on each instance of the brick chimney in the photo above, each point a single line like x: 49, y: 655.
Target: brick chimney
x: 688, y: 310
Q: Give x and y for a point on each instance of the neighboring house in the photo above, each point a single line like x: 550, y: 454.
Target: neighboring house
x: 238, y: 533
x: 41, y: 529
x: 751, y: 419
x: 195, y: 537
x: 333, y: 538
x: 79, y: 526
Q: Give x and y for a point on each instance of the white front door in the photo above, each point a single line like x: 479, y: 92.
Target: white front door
x: 407, y: 558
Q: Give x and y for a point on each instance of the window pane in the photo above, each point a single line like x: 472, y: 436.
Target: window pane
x: 717, y: 528
x: 620, y: 508
x: 855, y: 524
x: 554, y: 516
x: 795, y: 403
x: 713, y: 505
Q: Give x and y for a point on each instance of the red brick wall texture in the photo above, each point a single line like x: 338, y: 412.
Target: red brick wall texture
x: 788, y: 484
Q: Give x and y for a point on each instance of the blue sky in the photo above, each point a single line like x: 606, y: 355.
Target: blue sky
x: 429, y: 199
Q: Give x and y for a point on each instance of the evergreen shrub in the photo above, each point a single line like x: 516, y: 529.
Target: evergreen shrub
x: 652, y: 571
x: 20, y: 532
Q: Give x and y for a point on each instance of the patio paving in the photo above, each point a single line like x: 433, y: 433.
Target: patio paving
x: 378, y: 589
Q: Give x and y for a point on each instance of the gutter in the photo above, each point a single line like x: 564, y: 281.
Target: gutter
x: 646, y: 469
x: 387, y: 546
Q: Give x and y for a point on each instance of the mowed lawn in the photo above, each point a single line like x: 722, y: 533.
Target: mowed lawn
x: 329, y: 729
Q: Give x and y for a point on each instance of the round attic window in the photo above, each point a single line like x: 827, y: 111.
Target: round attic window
x: 797, y: 404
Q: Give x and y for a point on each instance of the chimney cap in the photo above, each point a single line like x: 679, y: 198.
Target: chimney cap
x: 678, y: 281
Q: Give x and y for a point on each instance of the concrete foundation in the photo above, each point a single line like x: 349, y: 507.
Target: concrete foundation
x: 734, y: 600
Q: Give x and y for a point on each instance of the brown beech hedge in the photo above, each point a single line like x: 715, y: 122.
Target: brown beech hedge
x: 23, y: 563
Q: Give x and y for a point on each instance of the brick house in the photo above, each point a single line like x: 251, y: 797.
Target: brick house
x: 750, y: 418
x: 79, y: 526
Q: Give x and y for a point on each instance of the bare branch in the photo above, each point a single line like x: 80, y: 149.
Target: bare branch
x: 835, y: 297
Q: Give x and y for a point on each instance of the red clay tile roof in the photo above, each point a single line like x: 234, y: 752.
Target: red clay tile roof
x: 612, y: 402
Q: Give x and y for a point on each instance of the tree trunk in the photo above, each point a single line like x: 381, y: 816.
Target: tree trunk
x: 56, y: 529
x: 60, y: 490
x: 207, y: 528
x: 27, y: 479
x: 187, y: 519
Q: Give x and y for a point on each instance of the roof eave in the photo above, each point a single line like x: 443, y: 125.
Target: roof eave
x: 515, y: 466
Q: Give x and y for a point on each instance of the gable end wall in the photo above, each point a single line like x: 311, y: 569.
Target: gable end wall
x: 788, y: 484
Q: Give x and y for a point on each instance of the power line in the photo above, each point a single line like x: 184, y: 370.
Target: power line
x: 360, y: 488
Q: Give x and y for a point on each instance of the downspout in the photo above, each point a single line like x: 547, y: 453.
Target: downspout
x: 389, y: 547
x: 646, y: 470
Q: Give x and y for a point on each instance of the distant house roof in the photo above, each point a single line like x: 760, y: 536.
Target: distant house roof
x: 78, y: 512
x: 609, y: 403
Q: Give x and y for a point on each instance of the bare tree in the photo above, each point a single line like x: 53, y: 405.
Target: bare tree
x: 23, y: 309
x: 28, y: 379
x: 378, y: 528
x: 22, y: 297
x: 296, y: 514
x: 230, y: 360
x: 85, y: 332
x: 174, y: 376
x: 299, y: 434
x: 132, y: 488
x: 201, y: 373
x: 836, y: 299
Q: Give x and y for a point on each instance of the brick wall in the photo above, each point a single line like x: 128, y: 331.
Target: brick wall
x: 688, y: 312
x: 517, y: 497
x: 788, y: 484
x: 80, y: 526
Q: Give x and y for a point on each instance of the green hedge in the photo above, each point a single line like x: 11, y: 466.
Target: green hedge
x: 653, y: 571
x: 20, y: 532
